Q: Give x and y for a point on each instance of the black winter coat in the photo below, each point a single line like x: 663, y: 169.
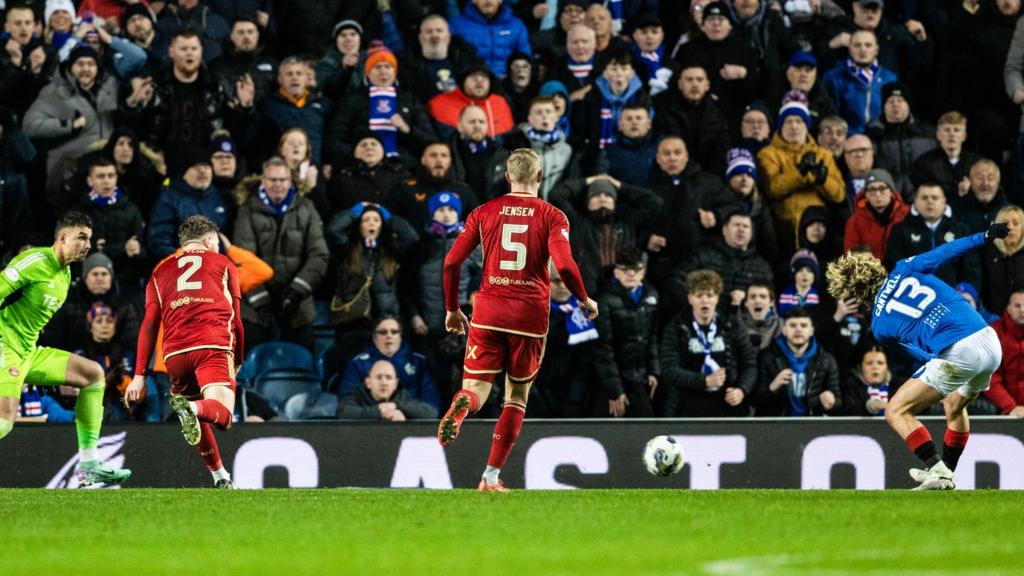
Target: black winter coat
x: 702, y: 126
x: 627, y: 351
x: 164, y: 133
x: 822, y: 375
x: 898, y: 146
x: 414, y: 76
x: 259, y: 65
x: 1003, y: 275
x: 733, y: 95
x: 409, y: 199
x: 738, y: 268
x: 112, y: 227
x: 360, y: 183
x: 635, y: 211
x: 912, y: 237
x: 360, y: 405
x: 483, y: 172
x: 682, y: 360
x: 977, y: 217
x: 934, y: 166
x: 293, y: 246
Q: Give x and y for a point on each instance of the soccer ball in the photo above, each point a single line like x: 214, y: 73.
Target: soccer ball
x: 663, y: 456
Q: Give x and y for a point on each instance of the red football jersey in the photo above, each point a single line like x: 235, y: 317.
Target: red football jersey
x: 519, y: 233
x: 197, y: 291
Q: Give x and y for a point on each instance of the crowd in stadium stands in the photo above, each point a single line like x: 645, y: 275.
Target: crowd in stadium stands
x: 713, y: 157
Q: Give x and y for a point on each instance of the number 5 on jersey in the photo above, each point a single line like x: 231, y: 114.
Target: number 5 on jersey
x: 517, y: 248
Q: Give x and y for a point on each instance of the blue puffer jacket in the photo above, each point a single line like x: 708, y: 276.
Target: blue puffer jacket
x: 413, y: 376
x: 858, y: 105
x: 496, y: 39
x: 178, y: 201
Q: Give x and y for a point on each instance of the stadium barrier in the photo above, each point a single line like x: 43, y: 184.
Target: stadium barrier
x: 550, y: 454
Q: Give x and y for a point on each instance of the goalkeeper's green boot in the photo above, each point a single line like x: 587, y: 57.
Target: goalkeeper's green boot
x: 94, y: 472
x: 189, y: 421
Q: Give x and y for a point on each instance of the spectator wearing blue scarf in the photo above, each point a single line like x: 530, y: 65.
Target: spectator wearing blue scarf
x: 617, y: 87
x: 795, y: 376
x: 649, y: 48
x: 563, y: 105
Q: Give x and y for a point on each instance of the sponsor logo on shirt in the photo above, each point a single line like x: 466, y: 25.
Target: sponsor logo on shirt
x: 506, y: 281
x: 186, y: 300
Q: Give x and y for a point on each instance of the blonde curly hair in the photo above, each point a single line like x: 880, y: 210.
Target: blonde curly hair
x: 857, y: 275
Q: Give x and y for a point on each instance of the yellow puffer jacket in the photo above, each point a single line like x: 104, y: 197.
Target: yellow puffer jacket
x: 789, y: 191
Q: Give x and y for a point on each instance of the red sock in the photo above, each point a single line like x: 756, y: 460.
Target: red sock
x: 505, y: 433
x: 956, y: 439
x: 207, y: 447
x: 214, y: 412
x: 474, y: 400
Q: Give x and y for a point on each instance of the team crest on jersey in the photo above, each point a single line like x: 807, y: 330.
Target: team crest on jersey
x: 949, y: 237
x: 12, y: 274
x: 383, y: 106
x: 915, y: 237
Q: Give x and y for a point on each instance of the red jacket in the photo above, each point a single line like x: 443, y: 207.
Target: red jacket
x: 445, y: 108
x: 863, y: 229
x: 106, y: 9
x: 1007, y: 388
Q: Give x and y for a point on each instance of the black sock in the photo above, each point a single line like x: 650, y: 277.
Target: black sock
x: 928, y: 453
x: 951, y: 455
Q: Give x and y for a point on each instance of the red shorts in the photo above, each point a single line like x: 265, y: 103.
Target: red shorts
x: 190, y: 372
x: 489, y: 352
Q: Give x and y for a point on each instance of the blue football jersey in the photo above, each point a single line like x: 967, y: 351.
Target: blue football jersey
x: 919, y: 313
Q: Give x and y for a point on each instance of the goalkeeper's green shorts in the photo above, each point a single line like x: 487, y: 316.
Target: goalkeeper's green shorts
x: 42, y: 367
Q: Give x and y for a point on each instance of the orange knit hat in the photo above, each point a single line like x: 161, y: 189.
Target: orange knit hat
x: 378, y: 52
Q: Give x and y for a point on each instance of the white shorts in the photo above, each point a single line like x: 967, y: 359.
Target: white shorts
x: 966, y: 366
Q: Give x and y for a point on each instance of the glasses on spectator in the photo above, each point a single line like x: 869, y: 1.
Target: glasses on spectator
x: 858, y: 151
x: 876, y: 189
x: 386, y: 331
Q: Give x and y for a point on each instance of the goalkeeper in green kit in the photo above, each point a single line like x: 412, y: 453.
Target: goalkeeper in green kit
x: 32, y: 288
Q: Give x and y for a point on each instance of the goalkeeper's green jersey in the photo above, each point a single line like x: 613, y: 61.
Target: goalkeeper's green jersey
x: 32, y: 288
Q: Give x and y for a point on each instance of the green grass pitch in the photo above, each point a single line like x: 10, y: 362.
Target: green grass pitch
x: 598, y: 532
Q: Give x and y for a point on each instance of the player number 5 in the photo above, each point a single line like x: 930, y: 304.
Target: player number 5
x: 518, y: 248
x: 193, y: 263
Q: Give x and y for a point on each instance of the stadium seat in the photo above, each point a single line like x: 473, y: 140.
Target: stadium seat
x: 327, y: 364
x: 307, y: 406
x: 275, y: 356
x: 278, y: 385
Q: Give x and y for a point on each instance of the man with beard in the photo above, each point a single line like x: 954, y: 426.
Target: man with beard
x: 244, y: 55
x: 433, y: 66
x: 478, y: 160
x: 409, y: 199
x: 977, y: 208
x: 190, y: 105
x: 755, y: 126
x: 209, y: 26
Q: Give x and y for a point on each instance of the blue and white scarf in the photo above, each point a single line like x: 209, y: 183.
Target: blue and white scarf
x: 384, y: 105
x: 576, y: 324
x: 879, y: 393
x: 790, y: 298
x: 279, y: 209
x: 652, y: 60
x: 581, y: 70
x: 444, y: 230
x: 798, y: 405
x: 863, y: 75
x: 546, y: 137
x: 612, y: 105
x: 477, y: 147
x: 103, y: 201
x: 707, y: 342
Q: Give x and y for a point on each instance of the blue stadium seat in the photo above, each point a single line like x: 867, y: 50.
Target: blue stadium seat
x: 311, y: 406
x: 275, y: 356
x: 278, y: 385
x: 327, y: 364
